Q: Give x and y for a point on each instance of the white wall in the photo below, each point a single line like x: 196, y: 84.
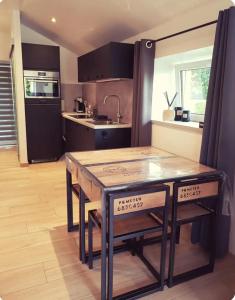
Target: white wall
x: 5, y: 39
x: 179, y: 140
x: 19, y: 91
x: 189, y: 41
x: 68, y: 59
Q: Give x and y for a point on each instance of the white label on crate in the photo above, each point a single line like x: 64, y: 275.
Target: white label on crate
x: 139, y: 202
x: 197, y: 191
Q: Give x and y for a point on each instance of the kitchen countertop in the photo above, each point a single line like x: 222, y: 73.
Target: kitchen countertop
x: 87, y: 121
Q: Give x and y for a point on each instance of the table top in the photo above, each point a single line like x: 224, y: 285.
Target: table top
x: 85, y: 158
x: 126, y: 174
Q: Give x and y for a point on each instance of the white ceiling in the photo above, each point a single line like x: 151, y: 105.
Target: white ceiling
x: 83, y: 25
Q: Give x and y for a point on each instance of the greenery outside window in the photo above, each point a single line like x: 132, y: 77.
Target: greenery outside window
x: 192, y: 84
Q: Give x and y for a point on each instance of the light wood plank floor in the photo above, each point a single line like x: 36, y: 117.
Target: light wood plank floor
x: 39, y: 259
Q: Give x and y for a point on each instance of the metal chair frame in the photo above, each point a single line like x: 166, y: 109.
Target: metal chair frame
x: 175, y: 229
x: 134, y: 240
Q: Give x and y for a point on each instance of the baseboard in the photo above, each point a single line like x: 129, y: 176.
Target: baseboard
x: 24, y: 165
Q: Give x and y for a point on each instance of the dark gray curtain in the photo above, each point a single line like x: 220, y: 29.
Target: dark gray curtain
x: 142, y: 93
x: 218, y: 141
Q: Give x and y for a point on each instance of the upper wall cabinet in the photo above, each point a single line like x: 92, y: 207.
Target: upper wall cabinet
x: 40, y: 57
x: 114, y: 60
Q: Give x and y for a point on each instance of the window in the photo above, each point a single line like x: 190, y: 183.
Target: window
x: 193, y: 80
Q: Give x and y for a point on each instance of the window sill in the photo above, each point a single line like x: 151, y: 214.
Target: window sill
x: 187, y: 126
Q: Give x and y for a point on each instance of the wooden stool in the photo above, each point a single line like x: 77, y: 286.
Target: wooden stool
x: 189, y: 205
x: 129, y: 218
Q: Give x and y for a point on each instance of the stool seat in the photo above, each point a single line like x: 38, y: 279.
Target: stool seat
x: 189, y: 211
x: 130, y: 217
x: 133, y: 224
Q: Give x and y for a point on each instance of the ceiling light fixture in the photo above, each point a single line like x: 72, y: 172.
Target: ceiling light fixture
x: 233, y: 1
x: 1, y: 1
x: 53, y: 19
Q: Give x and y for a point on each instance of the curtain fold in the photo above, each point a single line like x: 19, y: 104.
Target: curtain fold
x: 218, y: 140
x: 142, y: 93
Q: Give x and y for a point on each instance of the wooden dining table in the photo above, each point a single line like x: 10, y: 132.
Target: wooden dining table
x: 97, y: 173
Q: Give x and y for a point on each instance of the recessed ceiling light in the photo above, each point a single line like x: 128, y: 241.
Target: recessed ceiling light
x: 1, y: 1
x: 53, y: 20
x: 233, y: 1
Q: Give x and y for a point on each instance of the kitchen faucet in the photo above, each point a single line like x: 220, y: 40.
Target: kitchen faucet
x: 118, y: 99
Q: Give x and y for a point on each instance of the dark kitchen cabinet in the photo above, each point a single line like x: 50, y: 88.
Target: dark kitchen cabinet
x: 114, y: 60
x: 112, y: 138
x: 40, y: 57
x: 78, y: 137
x: 82, y: 138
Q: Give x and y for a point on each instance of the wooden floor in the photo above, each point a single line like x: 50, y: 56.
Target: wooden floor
x: 39, y: 259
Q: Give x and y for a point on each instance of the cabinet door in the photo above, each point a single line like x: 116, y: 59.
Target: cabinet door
x: 78, y: 137
x: 40, y: 57
x: 122, y: 60
x: 113, y: 138
x: 72, y: 136
x: 44, y: 132
x: 87, y: 138
x: 114, y: 60
x: 103, y: 64
x: 83, y: 68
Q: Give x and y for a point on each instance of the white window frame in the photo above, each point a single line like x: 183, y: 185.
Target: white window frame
x: 185, y: 67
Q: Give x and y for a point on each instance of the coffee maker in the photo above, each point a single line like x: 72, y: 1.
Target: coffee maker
x: 79, y: 105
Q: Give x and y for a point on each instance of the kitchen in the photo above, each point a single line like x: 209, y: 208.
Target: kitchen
x: 107, y: 96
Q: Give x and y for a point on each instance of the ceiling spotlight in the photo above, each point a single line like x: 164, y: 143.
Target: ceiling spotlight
x: 1, y: 1
x: 53, y: 20
x: 233, y: 1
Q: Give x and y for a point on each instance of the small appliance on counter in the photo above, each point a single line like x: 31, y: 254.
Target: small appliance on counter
x: 186, y: 116
x: 79, y: 105
x: 178, y: 113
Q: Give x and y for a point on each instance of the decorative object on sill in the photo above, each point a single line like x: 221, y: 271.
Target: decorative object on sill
x: 168, y: 101
x: 186, y: 116
x: 169, y: 114
x: 178, y: 113
x: 201, y: 124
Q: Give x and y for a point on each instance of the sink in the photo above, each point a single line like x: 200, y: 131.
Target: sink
x: 104, y: 122
x: 79, y: 116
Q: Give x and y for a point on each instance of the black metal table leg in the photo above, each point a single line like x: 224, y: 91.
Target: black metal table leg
x: 70, y: 224
x: 82, y: 227
x: 172, y: 245
x: 110, y: 251
x: 103, y: 249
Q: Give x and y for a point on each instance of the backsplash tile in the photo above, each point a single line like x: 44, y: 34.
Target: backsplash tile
x: 94, y: 93
x: 68, y: 93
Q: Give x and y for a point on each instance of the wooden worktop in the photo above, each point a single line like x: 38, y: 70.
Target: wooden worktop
x: 88, y: 122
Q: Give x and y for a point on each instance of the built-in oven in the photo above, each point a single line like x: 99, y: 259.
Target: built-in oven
x: 41, y: 84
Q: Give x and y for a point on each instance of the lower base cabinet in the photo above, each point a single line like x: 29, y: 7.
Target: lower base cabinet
x: 81, y: 138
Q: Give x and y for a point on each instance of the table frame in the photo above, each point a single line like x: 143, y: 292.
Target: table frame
x: 104, y: 198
